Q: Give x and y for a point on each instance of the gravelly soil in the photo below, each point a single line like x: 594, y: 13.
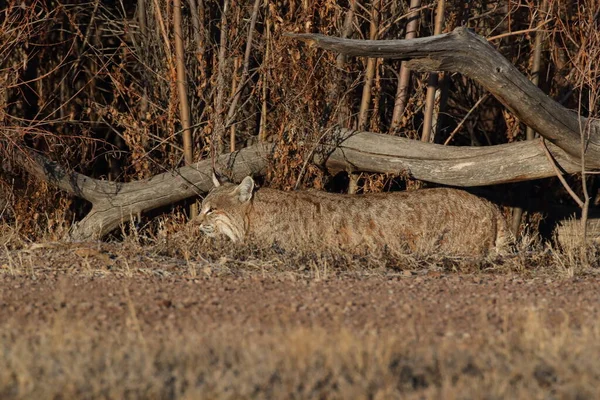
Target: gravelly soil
x: 434, y: 304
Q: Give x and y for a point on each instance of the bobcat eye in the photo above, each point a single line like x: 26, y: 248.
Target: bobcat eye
x: 209, y: 210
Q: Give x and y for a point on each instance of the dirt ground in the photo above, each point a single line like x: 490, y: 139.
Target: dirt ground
x: 93, y: 292
x: 434, y: 304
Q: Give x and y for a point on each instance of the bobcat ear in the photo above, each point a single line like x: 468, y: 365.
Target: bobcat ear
x: 245, y: 189
x: 215, y: 179
x: 218, y: 179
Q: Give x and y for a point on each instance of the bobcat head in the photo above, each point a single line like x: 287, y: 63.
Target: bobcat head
x: 224, y: 209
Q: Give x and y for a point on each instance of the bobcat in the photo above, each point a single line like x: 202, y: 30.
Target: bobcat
x: 447, y: 220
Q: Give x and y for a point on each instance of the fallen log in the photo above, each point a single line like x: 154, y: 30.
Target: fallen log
x: 116, y: 202
x: 448, y: 165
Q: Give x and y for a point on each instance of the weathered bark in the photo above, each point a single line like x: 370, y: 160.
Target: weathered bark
x: 455, y: 166
x: 468, y: 53
x: 114, y: 203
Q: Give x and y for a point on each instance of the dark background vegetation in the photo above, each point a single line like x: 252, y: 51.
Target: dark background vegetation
x: 92, y: 85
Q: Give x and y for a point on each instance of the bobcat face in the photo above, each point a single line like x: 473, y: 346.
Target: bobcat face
x: 224, y: 208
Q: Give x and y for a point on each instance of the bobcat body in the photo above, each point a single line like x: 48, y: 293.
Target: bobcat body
x: 444, y: 220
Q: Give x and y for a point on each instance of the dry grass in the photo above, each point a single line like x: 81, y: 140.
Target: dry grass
x: 64, y: 359
x: 187, y: 253
x: 530, y: 257
x: 532, y: 356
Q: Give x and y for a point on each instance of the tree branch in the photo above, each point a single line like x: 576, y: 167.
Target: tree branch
x: 465, y: 52
x: 115, y: 202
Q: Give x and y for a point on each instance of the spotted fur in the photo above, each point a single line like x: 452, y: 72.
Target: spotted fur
x: 444, y: 220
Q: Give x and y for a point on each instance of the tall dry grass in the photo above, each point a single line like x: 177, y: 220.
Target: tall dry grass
x: 532, y: 358
x: 183, y: 251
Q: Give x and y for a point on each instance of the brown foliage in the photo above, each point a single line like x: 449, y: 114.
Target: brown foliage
x: 94, y: 85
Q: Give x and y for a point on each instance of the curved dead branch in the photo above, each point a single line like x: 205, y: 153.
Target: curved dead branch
x: 116, y: 202
x: 468, y: 53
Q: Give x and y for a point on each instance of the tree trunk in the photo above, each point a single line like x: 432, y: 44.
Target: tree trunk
x: 404, y: 79
x: 184, y: 107
x: 530, y: 135
x: 432, y: 85
x: 365, y: 102
x: 344, y: 114
x: 197, y: 16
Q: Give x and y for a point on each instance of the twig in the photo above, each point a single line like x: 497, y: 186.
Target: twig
x: 262, y: 130
x: 462, y: 122
x: 310, y: 156
x: 163, y: 31
x: 586, y: 205
x: 246, y: 65
x: 503, y: 35
x: 562, y: 180
x: 219, y: 126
